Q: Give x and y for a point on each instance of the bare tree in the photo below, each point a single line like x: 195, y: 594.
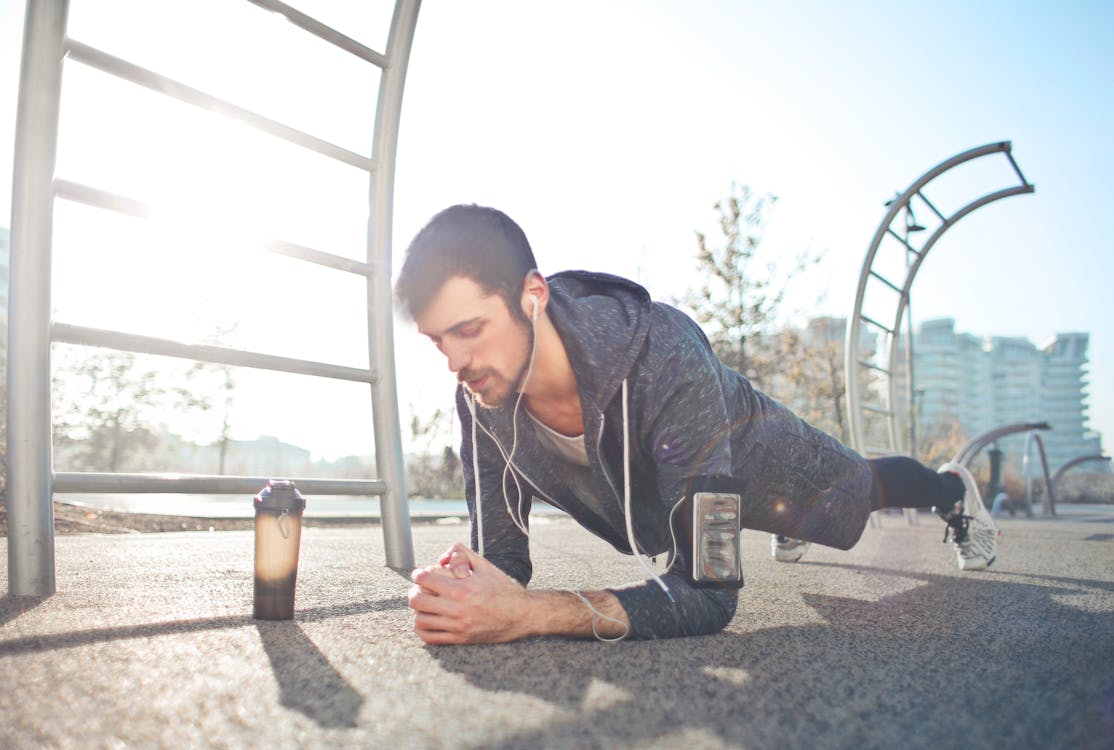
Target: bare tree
x: 221, y: 381
x: 434, y: 470
x: 741, y: 292
x: 109, y: 406
x: 229, y: 387
x: 941, y: 443
x: 810, y: 378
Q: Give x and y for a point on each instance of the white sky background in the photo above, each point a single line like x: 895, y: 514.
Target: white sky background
x: 607, y: 129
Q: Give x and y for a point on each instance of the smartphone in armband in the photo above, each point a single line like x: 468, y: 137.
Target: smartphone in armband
x: 716, y: 553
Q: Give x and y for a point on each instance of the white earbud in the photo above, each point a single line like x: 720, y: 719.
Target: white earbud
x: 534, y: 300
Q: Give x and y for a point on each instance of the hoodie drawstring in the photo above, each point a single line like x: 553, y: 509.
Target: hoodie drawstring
x: 627, y: 497
x: 471, y: 401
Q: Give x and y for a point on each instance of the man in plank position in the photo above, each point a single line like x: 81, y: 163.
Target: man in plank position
x: 579, y: 390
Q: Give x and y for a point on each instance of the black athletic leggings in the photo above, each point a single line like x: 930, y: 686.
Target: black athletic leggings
x: 902, y: 482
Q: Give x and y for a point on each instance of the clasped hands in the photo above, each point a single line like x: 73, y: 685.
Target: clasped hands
x: 464, y: 598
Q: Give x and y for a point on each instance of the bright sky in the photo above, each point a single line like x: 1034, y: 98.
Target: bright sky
x: 607, y: 130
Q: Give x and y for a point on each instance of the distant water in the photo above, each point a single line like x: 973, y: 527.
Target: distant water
x: 237, y: 506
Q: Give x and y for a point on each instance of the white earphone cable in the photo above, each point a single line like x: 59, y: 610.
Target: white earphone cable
x: 519, y: 519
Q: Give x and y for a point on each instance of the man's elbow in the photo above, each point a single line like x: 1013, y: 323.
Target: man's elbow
x: 722, y: 612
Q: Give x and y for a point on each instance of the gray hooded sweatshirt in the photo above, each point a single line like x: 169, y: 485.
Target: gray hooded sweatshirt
x: 689, y: 417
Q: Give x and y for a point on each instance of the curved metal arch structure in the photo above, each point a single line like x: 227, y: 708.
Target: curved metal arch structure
x: 1050, y: 496
x: 855, y: 365
x: 1067, y: 465
x: 31, y: 479
x: 1056, y: 475
x: 975, y: 446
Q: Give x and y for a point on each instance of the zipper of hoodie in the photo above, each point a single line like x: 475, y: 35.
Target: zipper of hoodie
x: 538, y: 487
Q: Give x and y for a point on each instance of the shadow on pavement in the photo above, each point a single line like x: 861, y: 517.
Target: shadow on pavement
x: 950, y: 662
x: 308, y: 683
x: 72, y: 639
x: 1083, y: 582
x: 12, y: 607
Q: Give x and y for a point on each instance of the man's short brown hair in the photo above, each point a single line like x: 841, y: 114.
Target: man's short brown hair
x: 476, y: 242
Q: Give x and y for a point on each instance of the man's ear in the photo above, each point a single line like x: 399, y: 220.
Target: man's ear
x: 535, y: 295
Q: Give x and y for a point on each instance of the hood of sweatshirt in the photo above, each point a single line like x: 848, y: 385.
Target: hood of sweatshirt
x: 603, y: 321
x: 610, y: 317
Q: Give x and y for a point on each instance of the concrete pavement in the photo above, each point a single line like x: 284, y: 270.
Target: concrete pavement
x: 149, y: 642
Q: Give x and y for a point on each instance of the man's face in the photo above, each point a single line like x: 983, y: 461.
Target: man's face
x: 486, y: 346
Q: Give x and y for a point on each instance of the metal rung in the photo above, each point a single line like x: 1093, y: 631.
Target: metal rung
x: 71, y: 334
x: 1016, y: 169
x: 326, y: 33
x: 90, y: 196
x: 928, y: 203
x: 902, y: 240
x: 873, y: 366
x: 203, y: 484
x: 128, y: 71
x: 878, y: 409
x: 874, y: 322
x: 98, y: 198
x: 886, y: 281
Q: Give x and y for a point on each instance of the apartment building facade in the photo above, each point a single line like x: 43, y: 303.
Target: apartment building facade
x: 981, y: 383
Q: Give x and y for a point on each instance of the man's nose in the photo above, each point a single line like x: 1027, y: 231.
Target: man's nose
x: 458, y: 357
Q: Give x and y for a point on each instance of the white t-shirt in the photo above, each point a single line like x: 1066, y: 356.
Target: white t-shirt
x: 569, y: 448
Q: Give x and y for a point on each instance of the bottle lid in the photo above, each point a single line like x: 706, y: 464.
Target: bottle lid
x: 280, y: 494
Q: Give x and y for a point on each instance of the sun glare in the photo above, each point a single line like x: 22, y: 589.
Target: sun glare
x: 213, y: 189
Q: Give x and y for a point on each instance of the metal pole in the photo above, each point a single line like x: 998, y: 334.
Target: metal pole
x: 30, y: 508
x: 384, y: 392
x: 909, y: 389
x: 910, y: 514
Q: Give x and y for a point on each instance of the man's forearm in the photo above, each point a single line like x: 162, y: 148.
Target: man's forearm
x: 565, y: 613
x: 464, y: 598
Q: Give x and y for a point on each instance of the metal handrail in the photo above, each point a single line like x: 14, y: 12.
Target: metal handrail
x: 204, y: 484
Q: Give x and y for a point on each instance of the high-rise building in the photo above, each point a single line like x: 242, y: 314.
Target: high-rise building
x: 1064, y: 396
x: 984, y: 383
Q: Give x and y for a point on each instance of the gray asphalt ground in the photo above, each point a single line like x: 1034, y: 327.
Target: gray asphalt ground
x: 149, y: 642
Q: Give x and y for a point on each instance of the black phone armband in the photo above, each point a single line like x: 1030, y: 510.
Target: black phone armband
x: 709, y: 521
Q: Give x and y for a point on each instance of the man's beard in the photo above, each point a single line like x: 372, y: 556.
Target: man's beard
x: 494, y: 403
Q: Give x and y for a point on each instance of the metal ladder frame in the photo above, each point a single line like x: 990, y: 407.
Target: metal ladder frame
x: 853, y: 362
x: 31, y: 479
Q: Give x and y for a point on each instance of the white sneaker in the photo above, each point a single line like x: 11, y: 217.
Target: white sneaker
x: 785, y: 549
x: 974, y: 535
